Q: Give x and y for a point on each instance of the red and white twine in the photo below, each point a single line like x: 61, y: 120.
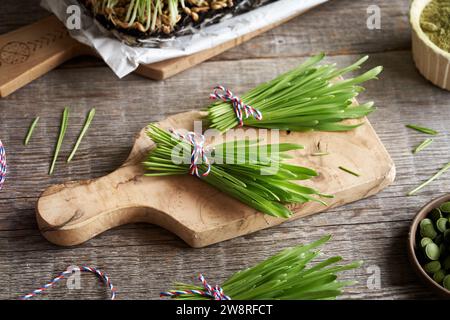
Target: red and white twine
x: 3, y: 165
x: 68, y: 272
x: 199, y: 152
x: 213, y: 293
x: 240, y: 108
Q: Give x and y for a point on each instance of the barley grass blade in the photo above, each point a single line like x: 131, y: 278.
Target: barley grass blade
x: 86, y: 126
x: 320, y: 154
x: 422, y: 129
x: 349, y: 171
x: 422, y: 145
x: 434, y: 177
x: 62, y: 133
x: 30, y: 131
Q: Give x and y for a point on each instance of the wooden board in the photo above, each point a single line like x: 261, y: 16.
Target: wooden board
x: 374, y: 229
x: 34, y: 50
x: 73, y: 213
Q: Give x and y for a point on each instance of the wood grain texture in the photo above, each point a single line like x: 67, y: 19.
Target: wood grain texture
x: 143, y: 259
x: 75, y: 212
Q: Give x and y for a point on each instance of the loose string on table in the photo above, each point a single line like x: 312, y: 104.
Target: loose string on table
x: 67, y: 273
x: 240, y: 108
x: 3, y: 165
x: 214, y: 293
x: 198, y: 152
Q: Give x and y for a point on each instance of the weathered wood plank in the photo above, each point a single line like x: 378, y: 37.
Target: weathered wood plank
x: 143, y: 259
x: 338, y: 27
x: 141, y: 271
x: 374, y: 229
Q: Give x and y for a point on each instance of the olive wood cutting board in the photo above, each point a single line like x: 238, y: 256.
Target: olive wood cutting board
x: 34, y: 50
x: 72, y: 213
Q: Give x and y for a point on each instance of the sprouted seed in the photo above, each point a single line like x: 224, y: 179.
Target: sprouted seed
x: 156, y: 16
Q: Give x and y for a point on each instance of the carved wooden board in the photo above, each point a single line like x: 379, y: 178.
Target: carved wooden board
x: 34, y: 50
x: 75, y: 212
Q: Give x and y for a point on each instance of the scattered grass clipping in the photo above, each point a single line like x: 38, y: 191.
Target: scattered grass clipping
x: 62, y: 133
x: 30, y: 131
x: 422, y: 145
x: 434, y: 177
x: 86, y: 126
x: 422, y: 129
x: 320, y: 154
x: 350, y: 171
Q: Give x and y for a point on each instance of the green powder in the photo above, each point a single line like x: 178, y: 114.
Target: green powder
x: 435, y: 22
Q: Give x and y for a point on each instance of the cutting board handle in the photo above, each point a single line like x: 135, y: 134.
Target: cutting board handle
x: 72, y: 213
x: 32, y: 51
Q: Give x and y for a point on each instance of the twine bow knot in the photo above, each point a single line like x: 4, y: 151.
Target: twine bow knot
x: 199, y: 151
x: 240, y: 108
x: 215, y: 293
x: 3, y: 166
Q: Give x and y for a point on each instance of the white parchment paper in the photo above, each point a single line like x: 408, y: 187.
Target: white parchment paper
x: 123, y: 59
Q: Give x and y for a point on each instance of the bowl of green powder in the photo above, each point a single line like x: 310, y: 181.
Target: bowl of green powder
x: 430, y: 20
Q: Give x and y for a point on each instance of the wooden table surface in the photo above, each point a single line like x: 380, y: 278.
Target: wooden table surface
x: 142, y: 259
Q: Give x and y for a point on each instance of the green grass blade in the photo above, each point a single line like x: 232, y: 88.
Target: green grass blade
x: 86, y: 126
x: 422, y: 129
x: 422, y: 145
x: 62, y: 133
x: 434, y: 177
x: 30, y: 131
x: 349, y: 171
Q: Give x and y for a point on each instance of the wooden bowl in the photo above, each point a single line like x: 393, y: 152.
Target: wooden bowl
x: 412, y: 246
x: 432, y: 61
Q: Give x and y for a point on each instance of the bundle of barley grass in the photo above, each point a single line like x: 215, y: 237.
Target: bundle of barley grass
x: 305, y: 98
x: 253, y: 173
x: 285, y: 276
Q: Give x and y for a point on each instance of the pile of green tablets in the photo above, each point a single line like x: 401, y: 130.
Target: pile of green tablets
x: 434, y: 242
